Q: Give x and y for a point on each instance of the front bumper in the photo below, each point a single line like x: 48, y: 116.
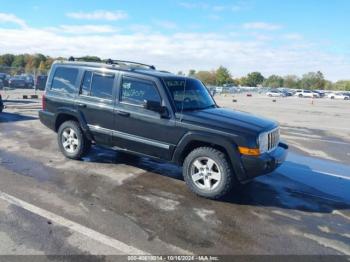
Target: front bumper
x: 265, y: 163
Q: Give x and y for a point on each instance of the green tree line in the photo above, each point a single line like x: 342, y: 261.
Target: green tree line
x: 39, y: 63
x: 310, y: 81
x: 25, y: 63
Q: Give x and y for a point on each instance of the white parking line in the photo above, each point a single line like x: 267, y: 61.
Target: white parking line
x: 337, y: 212
x: 315, y: 170
x: 331, y: 174
x: 88, y: 232
x: 319, y: 127
x: 316, y: 139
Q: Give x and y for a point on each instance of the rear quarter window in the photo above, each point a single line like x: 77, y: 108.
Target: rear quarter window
x: 102, y: 86
x: 98, y: 85
x: 64, y: 79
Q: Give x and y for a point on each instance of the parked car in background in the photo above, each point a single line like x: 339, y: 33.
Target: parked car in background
x: 286, y: 91
x: 342, y: 96
x: 29, y: 79
x: 40, y: 82
x: 4, y: 77
x: 320, y: 93
x: 274, y: 93
x: 219, y: 89
x: 17, y: 82
x: 306, y: 93
x: 1, y: 104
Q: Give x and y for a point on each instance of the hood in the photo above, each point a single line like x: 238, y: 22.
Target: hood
x: 229, y: 120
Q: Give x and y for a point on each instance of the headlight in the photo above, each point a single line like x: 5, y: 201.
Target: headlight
x: 263, y: 142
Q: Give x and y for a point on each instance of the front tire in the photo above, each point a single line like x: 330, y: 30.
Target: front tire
x: 208, y: 173
x: 72, y: 141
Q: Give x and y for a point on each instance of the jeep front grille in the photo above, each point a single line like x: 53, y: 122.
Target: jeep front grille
x: 273, y: 139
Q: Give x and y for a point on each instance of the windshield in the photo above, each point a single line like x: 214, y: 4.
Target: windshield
x: 189, y: 94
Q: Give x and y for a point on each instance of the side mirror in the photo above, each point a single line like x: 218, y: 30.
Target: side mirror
x: 156, y: 107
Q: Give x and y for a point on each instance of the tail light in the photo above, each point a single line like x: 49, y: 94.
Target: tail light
x: 43, y: 102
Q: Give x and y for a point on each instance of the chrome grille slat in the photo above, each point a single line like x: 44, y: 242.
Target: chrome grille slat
x: 273, y: 139
x: 271, y: 136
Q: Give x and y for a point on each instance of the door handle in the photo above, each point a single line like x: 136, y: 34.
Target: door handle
x: 82, y: 105
x: 122, y: 113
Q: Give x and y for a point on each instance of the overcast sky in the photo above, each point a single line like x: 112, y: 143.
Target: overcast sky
x: 270, y: 36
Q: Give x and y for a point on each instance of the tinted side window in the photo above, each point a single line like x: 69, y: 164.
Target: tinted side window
x: 137, y: 91
x: 64, y: 79
x: 85, y: 87
x: 102, y: 85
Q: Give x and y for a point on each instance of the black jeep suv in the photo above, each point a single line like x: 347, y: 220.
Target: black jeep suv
x: 134, y: 107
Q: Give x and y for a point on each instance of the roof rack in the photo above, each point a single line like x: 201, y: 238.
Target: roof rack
x: 122, y: 63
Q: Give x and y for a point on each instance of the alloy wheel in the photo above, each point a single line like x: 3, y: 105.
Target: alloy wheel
x: 70, y: 140
x: 205, y: 173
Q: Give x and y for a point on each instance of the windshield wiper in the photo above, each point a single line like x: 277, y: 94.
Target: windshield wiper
x: 199, y: 108
x: 207, y: 107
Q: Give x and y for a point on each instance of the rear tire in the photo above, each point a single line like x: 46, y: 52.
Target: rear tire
x: 208, y: 173
x: 72, y: 141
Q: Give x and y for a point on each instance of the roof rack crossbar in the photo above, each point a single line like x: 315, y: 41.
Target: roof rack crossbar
x: 82, y: 59
x: 114, y: 62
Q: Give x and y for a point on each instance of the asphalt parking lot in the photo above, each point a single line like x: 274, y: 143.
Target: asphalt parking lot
x: 113, y: 203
